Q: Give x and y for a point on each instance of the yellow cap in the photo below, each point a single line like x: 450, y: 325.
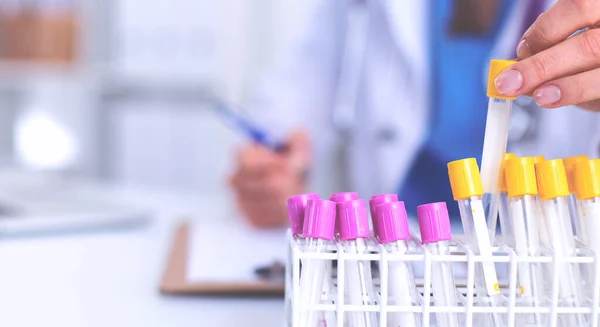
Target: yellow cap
x: 520, y: 177
x: 497, y: 67
x: 537, y: 159
x: 465, y: 180
x: 502, y: 180
x: 587, y: 179
x: 551, y: 179
x: 570, y: 169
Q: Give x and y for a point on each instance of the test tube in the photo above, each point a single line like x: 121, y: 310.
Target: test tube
x: 375, y: 201
x: 522, y: 189
x: 587, y: 187
x: 542, y: 229
x: 354, y: 234
x: 467, y: 190
x: 577, y: 223
x: 553, y: 190
x: 339, y: 198
x: 494, y: 143
x: 393, y: 233
x: 318, y: 228
x: 296, y: 207
x: 436, y: 233
x: 505, y: 221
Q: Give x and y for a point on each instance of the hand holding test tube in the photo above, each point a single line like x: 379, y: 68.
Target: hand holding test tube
x: 392, y: 231
x: 354, y: 233
x: 434, y: 224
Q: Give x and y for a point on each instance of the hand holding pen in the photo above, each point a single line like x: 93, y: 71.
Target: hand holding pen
x: 267, y: 170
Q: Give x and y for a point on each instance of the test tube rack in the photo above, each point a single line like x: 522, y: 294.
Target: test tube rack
x: 461, y: 255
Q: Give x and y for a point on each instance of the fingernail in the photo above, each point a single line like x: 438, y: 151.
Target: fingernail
x: 547, y: 95
x: 523, y: 50
x: 509, y: 82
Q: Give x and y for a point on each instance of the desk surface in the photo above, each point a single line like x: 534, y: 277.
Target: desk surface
x: 111, y: 278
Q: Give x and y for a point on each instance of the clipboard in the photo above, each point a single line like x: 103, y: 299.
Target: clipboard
x: 174, y: 279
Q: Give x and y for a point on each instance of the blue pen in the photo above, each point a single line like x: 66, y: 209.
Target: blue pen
x: 255, y: 133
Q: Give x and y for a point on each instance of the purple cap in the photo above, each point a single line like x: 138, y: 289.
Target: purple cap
x: 339, y: 198
x: 353, y: 218
x: 343, y: 197
x: 377, y: 200
x: 434, y: 222
x: 295, y: 207
x: 392, y: 222
x: 319, y: 218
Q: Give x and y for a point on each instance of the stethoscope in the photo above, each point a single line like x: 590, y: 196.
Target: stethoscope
x: 524, y: 125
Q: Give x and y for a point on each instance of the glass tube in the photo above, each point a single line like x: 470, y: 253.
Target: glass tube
x: 590, y: 209
x: 311, y: 283
x: 558, y: 222
x: 359, y: 284
x: 523, y: 213
x: 442, y: 285
x: 486, y: 279
x: 402, y: 287
x: 506, y: 224
x: 494, y: 149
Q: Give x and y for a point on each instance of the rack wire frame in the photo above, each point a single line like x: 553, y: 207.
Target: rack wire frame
x: 461, y: 252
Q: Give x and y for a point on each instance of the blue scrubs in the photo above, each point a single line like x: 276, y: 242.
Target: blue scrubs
x: 459, y: 107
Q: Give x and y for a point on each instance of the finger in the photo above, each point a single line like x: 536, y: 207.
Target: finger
x: 298, y: 154
x: 556, y: 24
x: 577, y: 54
x: 264, y: 214
x: 571, y: 90
x: 258, y: 160
x: 268, y: 186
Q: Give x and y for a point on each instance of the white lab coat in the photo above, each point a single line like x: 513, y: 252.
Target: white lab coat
x: 379, y: 90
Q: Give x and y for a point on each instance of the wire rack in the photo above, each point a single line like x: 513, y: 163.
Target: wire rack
x: 463, y: 259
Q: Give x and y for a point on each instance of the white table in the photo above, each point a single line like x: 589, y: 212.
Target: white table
x: 111, y: 278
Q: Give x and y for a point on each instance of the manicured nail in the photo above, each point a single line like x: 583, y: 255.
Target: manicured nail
x: 523, y: 50
x: 547, y: 95
x: 509, y: 82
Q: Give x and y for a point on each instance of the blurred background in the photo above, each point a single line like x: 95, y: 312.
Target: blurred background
x: 119, y: 90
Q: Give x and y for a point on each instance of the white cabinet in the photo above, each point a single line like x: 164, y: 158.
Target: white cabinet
x: 185, y: 148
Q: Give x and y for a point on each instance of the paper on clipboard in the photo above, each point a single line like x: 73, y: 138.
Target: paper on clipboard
x: 231, y: 252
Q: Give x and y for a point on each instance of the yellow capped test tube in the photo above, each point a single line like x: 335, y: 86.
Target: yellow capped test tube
x: 574, y: 205
x: 542, y: 230
x: 587, y: 189
x: 494, y: 143
x: 467, y: 190
x: 538, y: 159
x: 505, y: 223
x: 522, y: 189
x: 554, y: 190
